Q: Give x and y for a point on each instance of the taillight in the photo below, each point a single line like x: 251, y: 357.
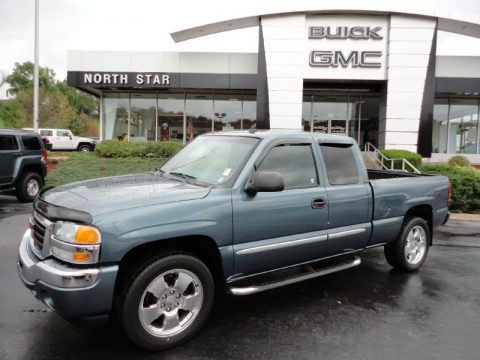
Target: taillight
x: 449, y: 192
x: 44, y: 158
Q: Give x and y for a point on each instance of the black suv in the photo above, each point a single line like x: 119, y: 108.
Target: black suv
x: 23, y: 163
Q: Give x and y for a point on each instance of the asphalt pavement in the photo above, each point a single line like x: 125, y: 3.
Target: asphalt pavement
x: 369, y: 312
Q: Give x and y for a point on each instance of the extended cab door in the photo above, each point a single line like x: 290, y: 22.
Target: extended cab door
x: 348, y: 196
x: 9, y: 152
x: 277, y: 229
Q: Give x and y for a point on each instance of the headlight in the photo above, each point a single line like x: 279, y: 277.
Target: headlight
x: 79, y: 244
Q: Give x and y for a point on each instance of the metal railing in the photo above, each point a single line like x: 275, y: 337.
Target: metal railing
x: 386, y: 163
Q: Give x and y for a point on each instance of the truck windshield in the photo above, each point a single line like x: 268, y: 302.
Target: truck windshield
x: 215, y: 160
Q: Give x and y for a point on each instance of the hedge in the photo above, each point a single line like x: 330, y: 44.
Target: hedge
x: 121, y: 149
x: 414, y: 158
x: 465, y: 185
x: 459, y: 160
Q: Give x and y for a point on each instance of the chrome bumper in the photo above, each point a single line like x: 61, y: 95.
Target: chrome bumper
x: 72, y: 291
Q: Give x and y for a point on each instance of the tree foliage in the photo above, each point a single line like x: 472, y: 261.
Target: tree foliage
x: 61, y: 106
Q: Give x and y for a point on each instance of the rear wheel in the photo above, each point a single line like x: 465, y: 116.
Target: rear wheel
x: 167, y: 302
x: 410, y: 249
x: 28, y: 187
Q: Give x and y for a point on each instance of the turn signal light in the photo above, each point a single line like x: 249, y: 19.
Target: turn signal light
x: 87, y: 235
x: 80, y: 256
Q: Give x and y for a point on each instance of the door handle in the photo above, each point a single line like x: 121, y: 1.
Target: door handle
x: 318, y: 203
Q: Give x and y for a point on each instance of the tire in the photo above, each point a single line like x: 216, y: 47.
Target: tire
x: 85, y: 148
x: 28, y: 186
x: 166, y: 302
x: 409, y: 251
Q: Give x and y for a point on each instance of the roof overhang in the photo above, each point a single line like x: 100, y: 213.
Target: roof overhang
x: 464, y: 20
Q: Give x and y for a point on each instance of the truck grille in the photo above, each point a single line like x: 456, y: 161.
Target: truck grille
x: 39, y: 227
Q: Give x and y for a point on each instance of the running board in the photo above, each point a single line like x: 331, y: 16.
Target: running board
x: 309, y: 273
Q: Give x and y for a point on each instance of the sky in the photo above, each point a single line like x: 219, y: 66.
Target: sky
x: 140, y: 25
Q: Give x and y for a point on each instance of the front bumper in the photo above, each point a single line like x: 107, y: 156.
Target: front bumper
x: 73, y: 292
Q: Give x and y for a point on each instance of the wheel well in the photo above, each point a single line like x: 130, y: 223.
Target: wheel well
x: 31, y: 168
x: 85, y: 143
x: 201, y: 247
x: 425, y: 212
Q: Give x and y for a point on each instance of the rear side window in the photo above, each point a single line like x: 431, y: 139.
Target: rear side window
x: 294, y: 162
x: 31, y: 143
x: 340, y: 163
x: 8, y: 142
x: 46, y: 133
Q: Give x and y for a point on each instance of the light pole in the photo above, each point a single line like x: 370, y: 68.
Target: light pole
x: 35, y: 72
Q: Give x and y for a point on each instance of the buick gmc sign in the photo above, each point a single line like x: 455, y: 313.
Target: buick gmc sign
x: 340, y: 58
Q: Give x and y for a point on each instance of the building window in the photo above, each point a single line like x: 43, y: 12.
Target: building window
x: 171, y: 111
x: 142, y: 116
x: 175, y: 116
x: 455, y: 125
x: 116, y: 107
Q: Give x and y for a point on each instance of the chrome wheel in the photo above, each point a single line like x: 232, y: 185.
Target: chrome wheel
x: 32, y: 187
x: 415, y: 245
x: 170, y: 303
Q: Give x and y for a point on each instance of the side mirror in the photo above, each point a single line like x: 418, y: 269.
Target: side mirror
x: 265, y: 181
x: 70, y: 136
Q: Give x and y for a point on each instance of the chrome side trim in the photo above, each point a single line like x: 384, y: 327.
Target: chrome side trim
x: 281, y: 245
x: 346, y: 233
x: 375, y: 245
x: 248, y: 290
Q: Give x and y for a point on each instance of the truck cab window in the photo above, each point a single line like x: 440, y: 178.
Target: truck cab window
x: 294, y: 162
x: 340, y: 164
x: 31, y: 143
x: 63, y: 133
x: 8, y: 143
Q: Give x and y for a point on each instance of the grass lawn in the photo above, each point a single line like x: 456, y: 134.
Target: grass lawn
x: 84, y: 166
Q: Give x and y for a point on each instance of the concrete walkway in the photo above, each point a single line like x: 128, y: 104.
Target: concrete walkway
x: 465, y: 217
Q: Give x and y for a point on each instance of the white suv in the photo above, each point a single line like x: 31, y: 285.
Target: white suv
x: 63, y: 139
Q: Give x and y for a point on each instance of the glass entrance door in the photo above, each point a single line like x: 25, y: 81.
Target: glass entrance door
x: 343, y: 114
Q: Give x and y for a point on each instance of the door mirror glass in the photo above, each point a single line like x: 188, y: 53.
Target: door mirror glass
x: 265, y: 181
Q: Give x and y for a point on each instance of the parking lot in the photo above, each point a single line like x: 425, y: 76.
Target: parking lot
x: 368, y: 312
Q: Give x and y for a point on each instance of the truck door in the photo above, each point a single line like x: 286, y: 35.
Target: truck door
x: 63, y: 140
x: 276, y: 229
x: 349, y: 198
x: 9, y: 151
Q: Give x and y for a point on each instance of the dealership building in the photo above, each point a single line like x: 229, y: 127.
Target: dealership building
x: 371, y: 73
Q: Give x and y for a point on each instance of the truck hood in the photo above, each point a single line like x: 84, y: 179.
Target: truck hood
x: 123, y: 192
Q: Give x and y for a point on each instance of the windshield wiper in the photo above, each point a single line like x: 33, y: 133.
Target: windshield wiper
x: 182, y: 175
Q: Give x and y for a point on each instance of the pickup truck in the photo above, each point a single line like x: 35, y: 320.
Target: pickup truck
x: 235, y: 212
x: 63, y: 139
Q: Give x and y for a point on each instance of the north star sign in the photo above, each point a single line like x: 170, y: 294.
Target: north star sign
x: 336, y: 58
x: 137, y: 79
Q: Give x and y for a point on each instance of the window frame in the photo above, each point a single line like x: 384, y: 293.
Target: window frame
x: 39, y: 142
x: 284, y: 142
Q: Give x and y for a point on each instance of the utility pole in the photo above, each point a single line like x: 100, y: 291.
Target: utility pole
x: 35, y: 73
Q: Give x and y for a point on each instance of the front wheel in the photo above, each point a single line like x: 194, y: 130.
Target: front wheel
x: 85, y: 148
x: 409, y: 251
x: 167, y: 302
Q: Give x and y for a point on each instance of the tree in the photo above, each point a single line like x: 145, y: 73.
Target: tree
x: 22, y: 77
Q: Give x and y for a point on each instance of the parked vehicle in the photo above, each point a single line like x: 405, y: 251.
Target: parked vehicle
x: 63, y: 139
x: 23, y: 163
x: 240, y: 212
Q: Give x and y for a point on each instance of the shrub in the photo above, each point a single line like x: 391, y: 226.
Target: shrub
x: 459, y: 160
x: 120, y: 149
x: 414, y: 158
x: 465, y: 185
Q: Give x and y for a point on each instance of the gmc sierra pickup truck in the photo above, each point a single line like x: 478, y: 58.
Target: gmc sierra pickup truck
x: 238, y: 212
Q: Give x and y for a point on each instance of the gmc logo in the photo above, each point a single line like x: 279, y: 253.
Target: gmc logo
x: 335, y: 58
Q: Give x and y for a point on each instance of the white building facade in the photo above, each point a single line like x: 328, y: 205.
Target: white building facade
x: 369, y: 74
